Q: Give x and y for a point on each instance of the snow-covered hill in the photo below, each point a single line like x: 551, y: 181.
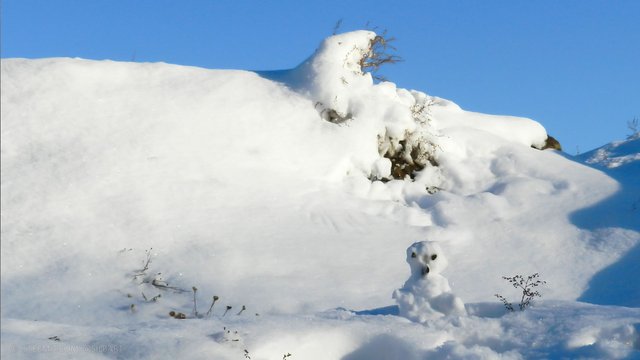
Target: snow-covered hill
x: 293, y: 195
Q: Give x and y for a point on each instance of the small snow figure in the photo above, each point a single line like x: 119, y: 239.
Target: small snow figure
x: 426, y: 295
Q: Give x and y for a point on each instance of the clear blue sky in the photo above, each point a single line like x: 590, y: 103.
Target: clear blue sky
x: 573, y: 65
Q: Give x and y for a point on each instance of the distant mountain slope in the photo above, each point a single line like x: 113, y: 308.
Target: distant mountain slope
x: 616, y: 154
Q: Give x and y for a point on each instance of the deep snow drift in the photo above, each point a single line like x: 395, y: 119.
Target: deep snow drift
x: 124, y: 181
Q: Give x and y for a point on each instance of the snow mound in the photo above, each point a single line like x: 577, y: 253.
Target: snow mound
x: 405, y: 122
x: 618, y: 218
x: 284, y: 194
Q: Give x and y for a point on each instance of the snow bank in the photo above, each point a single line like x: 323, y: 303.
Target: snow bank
x: 555, y: 330
x: 245, y: 186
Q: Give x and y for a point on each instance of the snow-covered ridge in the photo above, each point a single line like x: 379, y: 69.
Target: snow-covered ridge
x: 235, y: 182
x: 406, y: 122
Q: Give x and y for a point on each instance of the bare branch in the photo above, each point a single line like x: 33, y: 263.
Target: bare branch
x: 379, y: 54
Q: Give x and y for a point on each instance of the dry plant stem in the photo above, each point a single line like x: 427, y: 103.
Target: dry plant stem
x: 336, y: 27
x: 164, y: 286
x: 506, y: 303
x: 215, y: 298
x: 147, y: 262
x: 195, y: 302
x: 633, y: 126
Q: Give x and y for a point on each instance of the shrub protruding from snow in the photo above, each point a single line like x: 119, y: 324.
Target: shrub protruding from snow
x: 528, y: 286
x: 549, y: 143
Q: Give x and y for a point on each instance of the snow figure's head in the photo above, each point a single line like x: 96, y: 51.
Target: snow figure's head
x: 425, y: 258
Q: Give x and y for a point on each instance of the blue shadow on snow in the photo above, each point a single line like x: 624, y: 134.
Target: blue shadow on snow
x: 618, y: 284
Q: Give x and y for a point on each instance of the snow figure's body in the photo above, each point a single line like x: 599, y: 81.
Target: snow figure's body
x: 426, y: 295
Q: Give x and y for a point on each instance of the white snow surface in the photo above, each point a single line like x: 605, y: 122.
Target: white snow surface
x: 234, y: 183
